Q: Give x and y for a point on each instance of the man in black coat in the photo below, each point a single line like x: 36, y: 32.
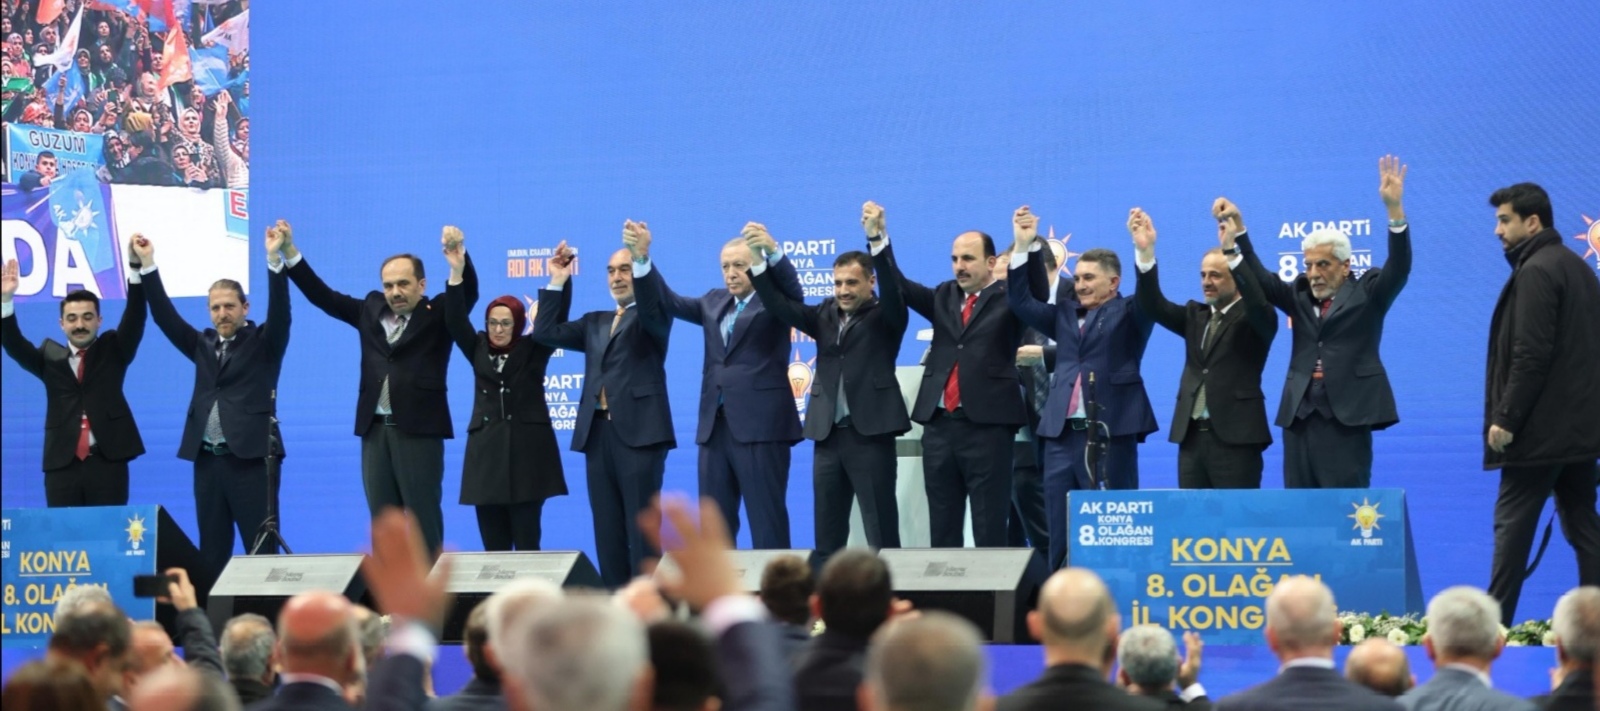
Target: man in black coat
x: 402, y: 412
x: 624, y: 425
x: 89, y: 432
x: 856, y: 409
x: 1576, y: 624
x: 482, y: 692
x: 1337, y: 391
x: 1541, y: 393
x: 512, y: 462
x: 1078, y: 624
x: 1220, y: 422
x: 1302, y: 630
x: 855, y: 595
x: 236, y: 366
x: 970, y: 403
x: 318, y: 654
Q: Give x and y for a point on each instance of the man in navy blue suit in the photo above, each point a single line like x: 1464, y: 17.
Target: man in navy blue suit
x: 624, y: 425
x: 1100, y: 338
x: 748, y: 421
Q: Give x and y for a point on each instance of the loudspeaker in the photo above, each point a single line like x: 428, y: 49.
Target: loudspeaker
x: 993, y: 587
x: 749, y: 565
x: 263, y: 583
x: 476, y: 576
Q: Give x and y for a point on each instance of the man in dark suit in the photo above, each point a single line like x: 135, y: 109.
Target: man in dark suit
x: 152, y: 648
x: 89, y: 432
x: 855, y: 596
x: 1220, y: 423
x: 1337, y: 391
x: 1463, y: 641
x: 970, y: 402
x: 247, y: 643
x: 482, y: 692
x: 933, y: 662
x: 318, y: 654
x: 624, y: 424
x: 236, y: 366
x: 856, y: 410
x: 1077, y: 622
x: 1148, y: 665
x: 1100, y: 339
x: 1036, y: 356
x: 1576, y: 624
x: 745, y: 439
x: 1542, y: 403
x: 1302, y: 630
x: 402, y: 413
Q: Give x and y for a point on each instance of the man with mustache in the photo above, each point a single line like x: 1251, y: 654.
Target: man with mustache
x: 89, y: 433
x: 856, y: 409
x: 624, y: 424
x: 236, y: 366
x: 1100, y: 339
x: 748, y: 421
x: 1337, y: 391
x: 402, y: 412
x: 1220, y: 424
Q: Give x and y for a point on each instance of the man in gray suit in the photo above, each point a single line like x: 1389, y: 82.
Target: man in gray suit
x: 1463, y: 641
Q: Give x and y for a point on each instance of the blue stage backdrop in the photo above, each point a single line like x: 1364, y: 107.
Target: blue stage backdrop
x: 530, y: 123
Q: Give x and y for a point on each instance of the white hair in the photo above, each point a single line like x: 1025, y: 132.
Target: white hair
x: 1577, y: 623
x: 1301, y: 612
x: 512, y: 602
x: 1328, y: 236
x: 1149, y: 655
x: 80, y: 596
x: 932, y: 663
x: 1464, y: 621
x: 578, y: 654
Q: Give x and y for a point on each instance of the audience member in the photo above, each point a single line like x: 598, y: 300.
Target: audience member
x: 854, y: 597
x: 96, y: 636
x: 482, y: 692
x: 81, y: 596
x: 318, y: 654
x: 1576, y: 625
x: 51, y: 684
x: 1077, y: 622
x: 1463, y: 640
x: 1380, y: 665
x: 180, y: 688
x: 247, y: 644
x: 1148, y: 665
x: 933, y: 662
x: 1302, y: 630
x: 786, y: 587
x: 685, y: 667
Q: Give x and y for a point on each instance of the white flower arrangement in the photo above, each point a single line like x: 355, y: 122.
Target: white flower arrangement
x: 1410, y: 629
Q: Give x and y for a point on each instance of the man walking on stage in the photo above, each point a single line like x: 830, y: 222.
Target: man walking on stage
x: 1226, y: 340
x: 624, y: 424
x: 970, y: 402
x: 236, y: 366
x: 856, y: 409
x: 89, y: 433
x: 1100, y: 339
x: 1337, y: 392
x: 402, y: 414
x: 1542, y: 405
x: 748, y: 421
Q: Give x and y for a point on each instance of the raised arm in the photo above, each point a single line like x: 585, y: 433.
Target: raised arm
x: 1396, y: 271
x: 647, y: 288
x: 890, y: 298
x: 456, y: 320
x: 788, y: 307
x: 130, y: 330
x: 1258, y: 311
x: 275, y: 328
x: 1025, y: 303
x: 1147, y: 285
x: 1235, y: 236
x: 182, y: 336
x: 341, y: 306
x: 550, y: 324
x: 917, y: 297
x: 26, y: 354
x: 686, y: 308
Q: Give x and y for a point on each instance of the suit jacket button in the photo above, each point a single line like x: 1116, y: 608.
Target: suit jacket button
x: 960, y: 346
x: 1206, y: 371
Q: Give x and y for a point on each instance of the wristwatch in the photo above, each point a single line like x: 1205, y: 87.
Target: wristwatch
x: 1231, y: 251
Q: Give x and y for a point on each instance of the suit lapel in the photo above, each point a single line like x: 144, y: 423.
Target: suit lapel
x: 605, y: 326
x: 1223, y: 324
x: 977, y: 306
x: 1347, y: 295
x: 741, y: 325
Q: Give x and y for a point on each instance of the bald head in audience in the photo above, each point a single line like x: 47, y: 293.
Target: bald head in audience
x: 1381, y: 666
x: 933, y: 662
x: 179, y: 688
x: 1302, y: 619
x: 317, y: 635
x: 1077, y: 620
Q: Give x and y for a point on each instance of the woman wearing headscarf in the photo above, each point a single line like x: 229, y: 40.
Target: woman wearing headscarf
x: 512, y: 462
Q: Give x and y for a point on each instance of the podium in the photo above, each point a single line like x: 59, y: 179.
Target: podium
x: 1206, y: 560
x: 44, y: 552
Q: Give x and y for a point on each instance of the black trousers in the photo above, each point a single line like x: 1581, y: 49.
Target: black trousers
x: 1523, y: 491
x: 505, y: 527
x: 1319, y: 452
x: 964, y: 460
x: 622, y: 481
x: 1028, y: 525
x: 405, y: 471
x: 1207, y: 462
x: 1064, y: 472
x: 758, y: 472
x: 229, y: 494
x: 95, y: 481
x: 848, y: 464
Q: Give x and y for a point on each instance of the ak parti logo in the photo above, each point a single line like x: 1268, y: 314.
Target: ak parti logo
x: 1591, y: 237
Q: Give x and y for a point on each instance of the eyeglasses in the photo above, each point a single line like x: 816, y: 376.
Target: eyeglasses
x: 502, y: 324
